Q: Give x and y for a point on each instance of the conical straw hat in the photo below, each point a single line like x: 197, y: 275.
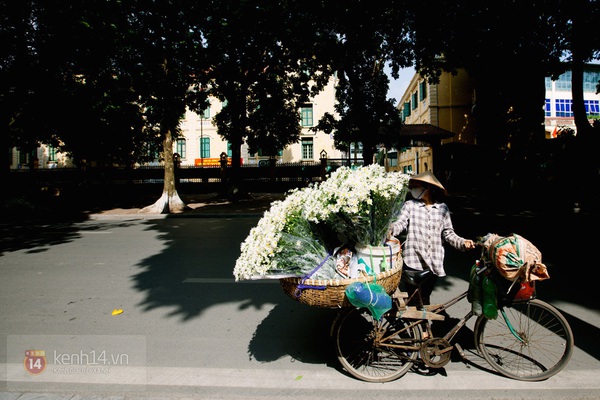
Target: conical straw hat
x: 428, y: 177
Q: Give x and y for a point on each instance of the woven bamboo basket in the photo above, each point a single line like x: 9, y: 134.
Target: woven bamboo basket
x: 332, y: 293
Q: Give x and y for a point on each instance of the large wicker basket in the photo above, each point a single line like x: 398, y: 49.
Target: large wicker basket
x: 332, y: 293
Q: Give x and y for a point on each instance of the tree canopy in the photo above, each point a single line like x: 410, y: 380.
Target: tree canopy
x: 367, y: 38
x: 110, y: 80
x: 269, y: 58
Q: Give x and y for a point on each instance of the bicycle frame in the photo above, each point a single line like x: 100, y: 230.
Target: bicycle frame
x: 444, y: 306
x: 452, y: 332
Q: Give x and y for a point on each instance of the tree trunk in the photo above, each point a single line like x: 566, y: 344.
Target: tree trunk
x: 584, y: 128
x: 579, y: 53
x: 5, y: 171
x: 585, y: 162
x: 169, y: 202
x: 234, y: 190
x: 368, y: 154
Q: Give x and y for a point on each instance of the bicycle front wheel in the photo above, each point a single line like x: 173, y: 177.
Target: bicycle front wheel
x: 528, y: 341
x: 375, y: 351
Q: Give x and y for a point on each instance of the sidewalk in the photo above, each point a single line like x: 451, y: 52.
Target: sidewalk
x: 130, y: 206
x: 201, y: 206
x: 255, y: 204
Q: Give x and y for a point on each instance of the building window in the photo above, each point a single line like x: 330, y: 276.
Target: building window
x: 406, y: 109
x: 590, y: 81
x: 51, y: 153
x: 306, y: 115
x: 205, y: 114
x: 204, y: 147
x: 592, y: 107
x: 563, y: 108
x: 229, y: 152
x: 548, y: 108
x: 262, y: 153
x: 356, y: 150
x: 180, y: 148
x: 422, y: 90
x: 563, y: 83
x: 23, y: 157
x: 307, y: 148
x: 548, y: 82
x: 414, y: 101
x: 154, y: 155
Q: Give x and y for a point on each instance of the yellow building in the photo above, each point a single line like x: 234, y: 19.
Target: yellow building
x: 446, y: 105
x: 202, y: 145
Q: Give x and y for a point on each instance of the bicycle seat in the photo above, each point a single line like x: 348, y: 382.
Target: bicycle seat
x: 415, y: 278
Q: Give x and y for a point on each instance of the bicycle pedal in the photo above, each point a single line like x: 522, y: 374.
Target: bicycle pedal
x: 460, y: 350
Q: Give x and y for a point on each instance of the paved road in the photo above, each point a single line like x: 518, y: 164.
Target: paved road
x: 189, y: 331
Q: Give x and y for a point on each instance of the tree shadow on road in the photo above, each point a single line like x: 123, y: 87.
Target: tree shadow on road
x: 190, y: 274
x: 35, y: 237
x: 297, y: 331
x: 194, y: 272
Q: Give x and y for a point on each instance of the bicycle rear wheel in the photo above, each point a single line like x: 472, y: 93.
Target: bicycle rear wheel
x: 374, y: 351
x: 532, y: 343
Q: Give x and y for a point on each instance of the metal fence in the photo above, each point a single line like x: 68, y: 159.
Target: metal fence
x: 278, y: 177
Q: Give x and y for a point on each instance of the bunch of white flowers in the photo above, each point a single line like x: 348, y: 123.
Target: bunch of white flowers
x: 359, y: 204
x: 284, y: 243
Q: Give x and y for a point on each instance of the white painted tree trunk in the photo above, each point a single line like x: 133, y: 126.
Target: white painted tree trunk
x: 166, y: 205
x: 169, y: 201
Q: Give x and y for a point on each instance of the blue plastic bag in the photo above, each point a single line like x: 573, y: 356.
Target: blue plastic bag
x: 371, y: 296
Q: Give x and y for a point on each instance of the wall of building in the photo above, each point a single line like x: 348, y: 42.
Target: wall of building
x: 455, y: 99
x: 42, y: 157
x: 558, y: 108
x: 195, y: 128
x: 448, y: 105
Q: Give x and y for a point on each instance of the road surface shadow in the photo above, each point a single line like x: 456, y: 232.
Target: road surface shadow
x: 297, y: 331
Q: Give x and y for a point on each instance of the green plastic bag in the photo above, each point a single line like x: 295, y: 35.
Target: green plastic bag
x: 371, y: 296
x: 490, y: 306
x: 475, y: 295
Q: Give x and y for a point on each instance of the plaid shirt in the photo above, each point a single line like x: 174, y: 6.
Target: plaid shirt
x: 427, y: 228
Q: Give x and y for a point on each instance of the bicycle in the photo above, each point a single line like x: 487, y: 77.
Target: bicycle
x: 530, y: 340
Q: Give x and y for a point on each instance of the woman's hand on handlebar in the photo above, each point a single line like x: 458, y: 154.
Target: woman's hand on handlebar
x: 469, y: 244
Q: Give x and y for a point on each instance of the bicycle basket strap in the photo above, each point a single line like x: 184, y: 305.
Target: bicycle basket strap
x: 391, y: 255
x: 301, y: 286
x: 373, y: 264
